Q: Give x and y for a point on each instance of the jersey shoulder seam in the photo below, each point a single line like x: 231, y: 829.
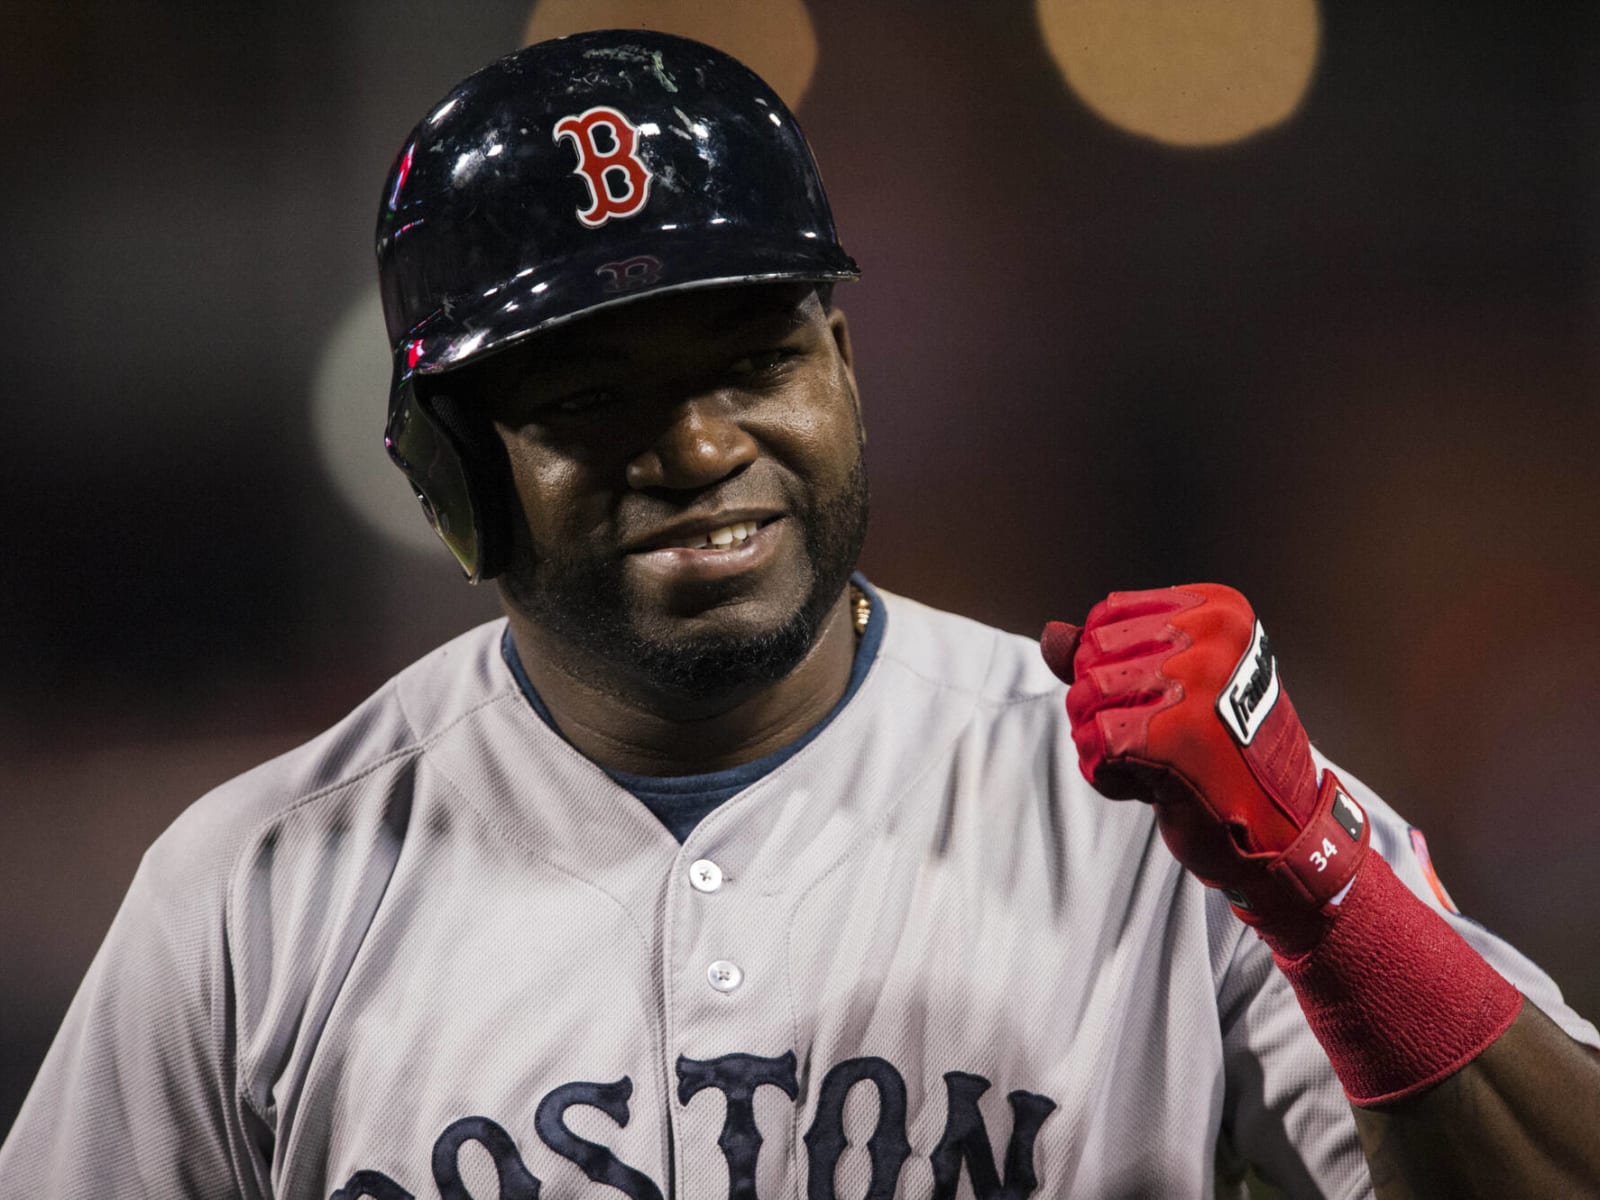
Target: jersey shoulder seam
x: 417, y: 745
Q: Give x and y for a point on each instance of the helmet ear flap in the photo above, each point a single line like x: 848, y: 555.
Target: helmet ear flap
x: 487, y: 471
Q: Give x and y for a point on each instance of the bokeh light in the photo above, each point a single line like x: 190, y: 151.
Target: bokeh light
x: 349, y: 400
x: 1185, y: 72
x: 775, y: 38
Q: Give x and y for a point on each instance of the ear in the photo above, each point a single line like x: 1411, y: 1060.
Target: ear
x: 839, y: 327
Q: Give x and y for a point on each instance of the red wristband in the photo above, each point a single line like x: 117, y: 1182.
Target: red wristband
x: 1397, y: 998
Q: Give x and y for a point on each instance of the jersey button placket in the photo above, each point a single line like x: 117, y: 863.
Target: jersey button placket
x: 706, y: 877
x: 725, y: 949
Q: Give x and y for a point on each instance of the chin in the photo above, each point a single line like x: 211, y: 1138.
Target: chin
x: 737, y: 605
x: 726, y: 647
x: 724, y: 661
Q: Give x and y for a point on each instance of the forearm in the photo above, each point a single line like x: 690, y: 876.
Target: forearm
x: 1461, y: 1087
x: 1521, y: 1119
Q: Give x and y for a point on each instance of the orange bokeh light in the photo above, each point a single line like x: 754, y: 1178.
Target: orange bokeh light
x: 1185, y: 72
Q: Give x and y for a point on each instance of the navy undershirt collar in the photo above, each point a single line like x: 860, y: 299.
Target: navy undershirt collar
x: 681, y: 801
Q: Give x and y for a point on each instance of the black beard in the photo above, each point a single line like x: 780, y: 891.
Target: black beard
x: 584, y: 602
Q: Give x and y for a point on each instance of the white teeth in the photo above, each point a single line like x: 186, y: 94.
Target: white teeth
x: 727, y: 535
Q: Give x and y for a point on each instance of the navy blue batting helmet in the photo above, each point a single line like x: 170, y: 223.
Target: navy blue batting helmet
x: 570, y: 176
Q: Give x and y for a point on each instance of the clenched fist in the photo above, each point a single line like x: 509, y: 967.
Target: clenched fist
x: 1176, y: 700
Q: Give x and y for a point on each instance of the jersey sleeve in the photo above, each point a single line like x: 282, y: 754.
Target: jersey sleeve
x: 1285, y: 1113
x: 137, y: 1096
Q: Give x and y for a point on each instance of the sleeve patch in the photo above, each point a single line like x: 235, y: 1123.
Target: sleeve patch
x: 1419, y: 847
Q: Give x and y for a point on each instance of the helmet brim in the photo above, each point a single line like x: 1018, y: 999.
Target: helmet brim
x: 558, y: 292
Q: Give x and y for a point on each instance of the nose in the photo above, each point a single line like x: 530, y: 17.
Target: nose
x: 702, y: 443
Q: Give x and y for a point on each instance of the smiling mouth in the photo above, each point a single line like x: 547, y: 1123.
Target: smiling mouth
x: 727, y: 537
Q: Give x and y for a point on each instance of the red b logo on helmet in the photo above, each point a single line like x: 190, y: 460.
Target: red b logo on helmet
x: 618, y: 182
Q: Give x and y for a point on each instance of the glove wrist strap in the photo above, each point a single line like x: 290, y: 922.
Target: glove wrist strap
x: 1398, y: 1000
x: 1295, y: 898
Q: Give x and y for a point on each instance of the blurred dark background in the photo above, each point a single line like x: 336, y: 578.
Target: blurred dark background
x: 1347, y: 362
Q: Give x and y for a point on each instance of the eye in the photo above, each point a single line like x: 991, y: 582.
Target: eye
x: 763, y: 364
x: 579, y: 402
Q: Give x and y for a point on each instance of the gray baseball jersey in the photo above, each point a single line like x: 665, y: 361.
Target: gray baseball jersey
x: 437, y: 952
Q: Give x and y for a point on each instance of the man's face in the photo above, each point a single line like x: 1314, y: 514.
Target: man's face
x: 638, y: 436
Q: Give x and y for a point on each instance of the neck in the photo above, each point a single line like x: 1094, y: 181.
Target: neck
x: 621, y: 722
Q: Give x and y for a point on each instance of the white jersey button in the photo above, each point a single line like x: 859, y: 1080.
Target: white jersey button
x: 724, y: 975
x: 705, y: 875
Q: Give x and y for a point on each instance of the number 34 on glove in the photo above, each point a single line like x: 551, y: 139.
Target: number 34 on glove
x: 1176, y: 700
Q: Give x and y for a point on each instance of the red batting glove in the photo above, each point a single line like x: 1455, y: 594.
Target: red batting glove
x: 1176, y: 700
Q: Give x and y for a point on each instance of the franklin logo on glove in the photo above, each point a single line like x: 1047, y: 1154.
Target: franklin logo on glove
x: 1252, y: 691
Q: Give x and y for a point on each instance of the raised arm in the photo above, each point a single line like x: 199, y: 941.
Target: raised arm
x: 1460, y: 1087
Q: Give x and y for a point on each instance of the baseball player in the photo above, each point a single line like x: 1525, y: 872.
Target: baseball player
x: 713, y: 870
